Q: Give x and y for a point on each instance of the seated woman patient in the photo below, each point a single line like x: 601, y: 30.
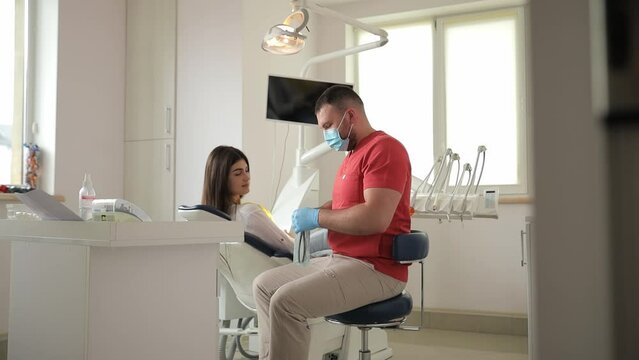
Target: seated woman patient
x: 227, y: 179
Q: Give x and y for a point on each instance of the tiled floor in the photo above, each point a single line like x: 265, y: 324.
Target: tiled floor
x: 456, y: 345
x: 431, y: 344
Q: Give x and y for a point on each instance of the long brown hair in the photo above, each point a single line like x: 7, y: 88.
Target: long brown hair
x: 216, y: 174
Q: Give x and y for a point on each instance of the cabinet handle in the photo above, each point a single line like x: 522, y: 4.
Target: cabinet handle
x: 167, y: 159
x: 167, y: 119
x: 523, y: 261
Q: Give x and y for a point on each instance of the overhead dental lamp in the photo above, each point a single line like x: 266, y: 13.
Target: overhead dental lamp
x: 287, y: 38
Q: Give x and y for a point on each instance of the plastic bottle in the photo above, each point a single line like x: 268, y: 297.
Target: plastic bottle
x: 86, y: 197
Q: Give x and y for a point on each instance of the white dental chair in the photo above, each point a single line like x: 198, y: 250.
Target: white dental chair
x: 240, y: 263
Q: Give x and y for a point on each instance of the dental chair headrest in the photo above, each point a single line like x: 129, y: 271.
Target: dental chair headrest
x: 208, y: 208
x: 250, y: 239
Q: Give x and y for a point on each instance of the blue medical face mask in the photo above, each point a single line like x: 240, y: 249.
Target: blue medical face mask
x: 334, y: 140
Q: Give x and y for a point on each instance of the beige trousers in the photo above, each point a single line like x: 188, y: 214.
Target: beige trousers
x: 289, y: 295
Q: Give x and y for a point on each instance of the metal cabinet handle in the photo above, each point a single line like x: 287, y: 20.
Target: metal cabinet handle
x: 523, y: 261
x: 167, y: 119
x: 167, y: 159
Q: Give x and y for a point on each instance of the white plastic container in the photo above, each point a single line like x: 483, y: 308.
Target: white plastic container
x: 86, y: 197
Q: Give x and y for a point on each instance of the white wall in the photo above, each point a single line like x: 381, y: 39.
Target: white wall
x: 209, y: 88
x: 90, y: 103
x: 264, y: 141
x: 573, y: 317
x: 43, y: 84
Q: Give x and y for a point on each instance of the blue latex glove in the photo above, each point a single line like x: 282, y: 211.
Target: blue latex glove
x: 305, y: 219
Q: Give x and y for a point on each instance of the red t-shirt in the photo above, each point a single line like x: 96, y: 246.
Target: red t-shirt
x: 378, y: 161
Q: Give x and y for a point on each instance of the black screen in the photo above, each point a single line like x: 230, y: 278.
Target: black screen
x: 293, y: 100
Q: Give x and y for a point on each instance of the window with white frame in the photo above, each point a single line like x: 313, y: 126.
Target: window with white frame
x: 452, y: 82
x: 11, y: 90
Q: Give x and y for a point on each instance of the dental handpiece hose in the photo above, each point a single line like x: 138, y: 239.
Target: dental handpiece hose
x: 301, y: 248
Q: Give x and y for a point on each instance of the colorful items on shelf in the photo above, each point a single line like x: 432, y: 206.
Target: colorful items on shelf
x: 32, y: 165
x: 8, y: 189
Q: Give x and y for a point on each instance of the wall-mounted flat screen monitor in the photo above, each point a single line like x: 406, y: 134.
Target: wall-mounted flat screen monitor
x: 293, y: 100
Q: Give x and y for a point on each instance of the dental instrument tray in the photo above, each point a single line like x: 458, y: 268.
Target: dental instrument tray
x: 442, y: 198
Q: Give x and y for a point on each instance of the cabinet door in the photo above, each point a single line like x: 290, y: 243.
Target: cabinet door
x: 150, y: 69
x: 150, y: 176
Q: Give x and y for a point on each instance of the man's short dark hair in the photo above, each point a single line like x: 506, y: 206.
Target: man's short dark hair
x: 339, y: 96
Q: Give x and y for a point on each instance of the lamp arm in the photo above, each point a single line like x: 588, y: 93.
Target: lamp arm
x: 341, y: 53
x: 382, y: 34
x: 322, y: 10
x: 304, y: 157
x: 314, y: 153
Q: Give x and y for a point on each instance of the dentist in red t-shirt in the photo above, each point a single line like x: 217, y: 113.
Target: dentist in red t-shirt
x: 369, y: 206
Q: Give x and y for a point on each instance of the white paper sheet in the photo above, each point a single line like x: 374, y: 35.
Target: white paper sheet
x: 46, y: 206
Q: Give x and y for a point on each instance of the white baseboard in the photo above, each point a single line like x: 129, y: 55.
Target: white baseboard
x: 504, y: 324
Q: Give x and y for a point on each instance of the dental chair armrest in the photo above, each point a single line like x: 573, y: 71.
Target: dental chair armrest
x: 263, y: 247
x: 279, y: 254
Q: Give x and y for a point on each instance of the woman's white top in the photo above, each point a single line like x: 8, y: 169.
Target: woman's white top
x: 258, y: 222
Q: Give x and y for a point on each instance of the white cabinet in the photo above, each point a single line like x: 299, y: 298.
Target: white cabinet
x: 150, y: 177
x: 149, y: 173
x: 150, y: 69
x: 105, y: 291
